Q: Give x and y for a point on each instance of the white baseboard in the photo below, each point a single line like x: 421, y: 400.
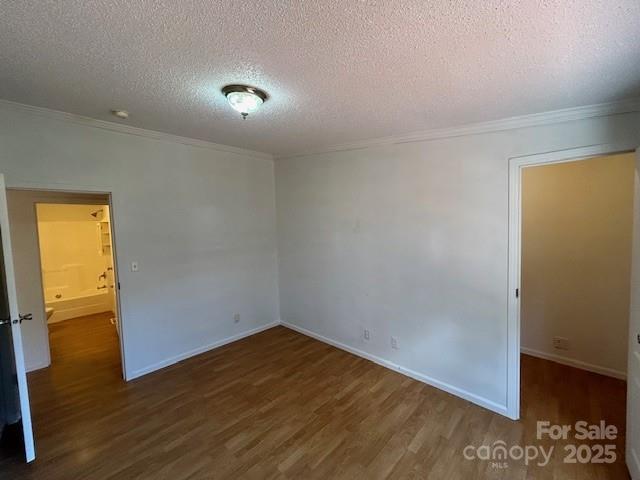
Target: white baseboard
x: 633, y: 462
x: 609, y: 372
x: 458, y: 392
x: 196, y: 351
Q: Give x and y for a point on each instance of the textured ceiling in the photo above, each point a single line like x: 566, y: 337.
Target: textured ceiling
x: 337, y: 70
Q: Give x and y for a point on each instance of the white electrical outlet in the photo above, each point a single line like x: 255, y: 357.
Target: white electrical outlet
x: 236, y: 318
x: 394, y: 343
x: 561, y: 343
x: 367, y: 335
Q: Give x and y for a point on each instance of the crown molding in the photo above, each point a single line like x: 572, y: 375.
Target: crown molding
x: 511, y: 123
x: 127, y: 129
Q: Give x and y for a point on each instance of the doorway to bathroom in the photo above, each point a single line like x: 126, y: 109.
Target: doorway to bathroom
x: 66, y: 275
x: 76, y: 261
x: 78, y: 282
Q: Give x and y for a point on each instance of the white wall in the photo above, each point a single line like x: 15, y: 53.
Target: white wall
x: 576, y: 261
x: 407, y: 240
x: 200, y: 222
x: 410, y: 240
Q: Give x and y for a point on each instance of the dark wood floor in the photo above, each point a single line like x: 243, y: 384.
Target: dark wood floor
x: 281, y: 405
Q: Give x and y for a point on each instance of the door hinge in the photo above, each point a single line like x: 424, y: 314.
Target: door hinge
x: 118, y: 285
x: 517, y: 293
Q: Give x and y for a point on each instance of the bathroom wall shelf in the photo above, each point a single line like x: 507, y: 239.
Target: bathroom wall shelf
x: 105, y: 238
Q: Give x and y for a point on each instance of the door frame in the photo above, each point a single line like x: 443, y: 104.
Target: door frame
x: 87, y: 190
x: 516, y: 165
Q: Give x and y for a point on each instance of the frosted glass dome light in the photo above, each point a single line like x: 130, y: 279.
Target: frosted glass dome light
x: 244, y: 102
x: 244, y: 99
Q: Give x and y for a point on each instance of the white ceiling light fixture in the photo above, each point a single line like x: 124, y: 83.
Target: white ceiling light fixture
x: 244, y: 99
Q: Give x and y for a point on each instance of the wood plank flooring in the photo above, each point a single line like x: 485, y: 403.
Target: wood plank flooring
x: 283, y: 406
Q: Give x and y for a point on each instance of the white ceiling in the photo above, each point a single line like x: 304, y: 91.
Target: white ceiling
x: 337, y: 70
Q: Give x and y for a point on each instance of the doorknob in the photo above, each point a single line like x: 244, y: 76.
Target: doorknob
x: 8, y: 321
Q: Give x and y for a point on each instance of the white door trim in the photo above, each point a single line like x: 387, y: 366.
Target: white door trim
x: 516, y: 164
x: 77, y: 189
x: 632, y: 447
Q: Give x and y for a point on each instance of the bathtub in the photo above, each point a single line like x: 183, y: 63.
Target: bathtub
x: 86, y: 302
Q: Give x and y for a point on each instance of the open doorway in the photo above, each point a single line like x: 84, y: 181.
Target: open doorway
x: 78, y: 281
x: 576, y: 236
x: 573, y: 296
x: 66, y: 273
